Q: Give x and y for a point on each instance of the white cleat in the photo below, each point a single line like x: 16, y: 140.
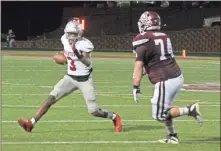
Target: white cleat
x: 195, y: 112
x: 169, y: 140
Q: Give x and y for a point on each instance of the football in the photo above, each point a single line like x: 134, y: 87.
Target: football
x: 60, y: 58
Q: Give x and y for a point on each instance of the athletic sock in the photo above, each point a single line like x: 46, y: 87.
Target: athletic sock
x: 171, y: 130
x: 184, y: 111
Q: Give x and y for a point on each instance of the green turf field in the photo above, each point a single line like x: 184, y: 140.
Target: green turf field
x: 26, y: 82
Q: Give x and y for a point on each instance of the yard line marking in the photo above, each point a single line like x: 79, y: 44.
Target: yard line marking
x: 211, y: 64
x: 20, y: 79
x: 6, y: 84
x: 34, y: 70
x: 104, y: 121
x: 97, y: 82
x: 211, y: 91
x: 48, y: 86
x: 84, y: 106
x: 107, y: 94
x: 53, y: 68
x: 99, y: 57
x: 36, y: 86
x: 103, y: 142
x: 217, y: 63
x: 99, y: 92
x: 125, y: 62
x: 56, y: 69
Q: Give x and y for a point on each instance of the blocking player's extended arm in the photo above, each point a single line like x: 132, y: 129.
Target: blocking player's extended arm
x: 138, y: 73
x: 139, y: 64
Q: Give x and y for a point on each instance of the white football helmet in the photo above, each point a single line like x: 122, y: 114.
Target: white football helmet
x: 73, y: 31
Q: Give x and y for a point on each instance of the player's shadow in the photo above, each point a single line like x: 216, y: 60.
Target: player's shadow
x: 129, y: 128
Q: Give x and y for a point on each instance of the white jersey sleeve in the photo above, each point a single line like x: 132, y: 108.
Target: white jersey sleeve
x: 84, y: 45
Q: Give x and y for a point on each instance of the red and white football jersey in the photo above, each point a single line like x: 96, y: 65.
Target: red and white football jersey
x: 75, y: 66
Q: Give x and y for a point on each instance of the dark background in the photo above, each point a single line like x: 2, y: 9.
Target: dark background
x: 33, y: 18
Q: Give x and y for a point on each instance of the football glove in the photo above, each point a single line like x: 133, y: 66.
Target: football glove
x: 136, y: 93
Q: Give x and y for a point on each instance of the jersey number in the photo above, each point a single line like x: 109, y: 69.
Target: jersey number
x: 72, y: 66
x: 168, y: 51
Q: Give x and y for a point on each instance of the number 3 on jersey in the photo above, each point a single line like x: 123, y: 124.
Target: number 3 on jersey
x: 165, y: 52
x: 72, y: 66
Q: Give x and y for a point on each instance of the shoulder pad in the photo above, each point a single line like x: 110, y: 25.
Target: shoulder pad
x: 139, y: 42
x: 141, y: 39
x: 84, y: 45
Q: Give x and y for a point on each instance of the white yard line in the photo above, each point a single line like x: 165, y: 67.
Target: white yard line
x: 6, y: 84
x: 37, y: 86
x: 9, y: 81
x: 33, y: 70
x: 83, y: 106
x: 98, y: 93
x: 104, y: 121
x: 6, y: 81
x: 52, y: 68
x: 215, y: 91
x: 106, y: 94
x: 125, y: 62
x: 217, y: 63
x: 29, y: 84
x: 48, y: 86
x: 102, y: 142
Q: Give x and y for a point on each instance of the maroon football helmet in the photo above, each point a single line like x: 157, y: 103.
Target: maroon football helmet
x: 149, y: 20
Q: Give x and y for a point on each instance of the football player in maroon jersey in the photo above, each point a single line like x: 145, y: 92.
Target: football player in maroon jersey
x: 154, y: 54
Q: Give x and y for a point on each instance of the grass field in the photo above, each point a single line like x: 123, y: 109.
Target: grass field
x: 26, y: 82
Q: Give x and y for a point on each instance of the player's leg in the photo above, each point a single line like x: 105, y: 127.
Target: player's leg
x: 88, y: 91
x: 172, y: 87
x: 64, y: 87
x: 164, y: 95
x: 161, y: 105
x: 190, y: 110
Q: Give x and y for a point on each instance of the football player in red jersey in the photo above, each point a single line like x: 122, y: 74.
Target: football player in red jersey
x: 154, y: 54
x: 77, y: 50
